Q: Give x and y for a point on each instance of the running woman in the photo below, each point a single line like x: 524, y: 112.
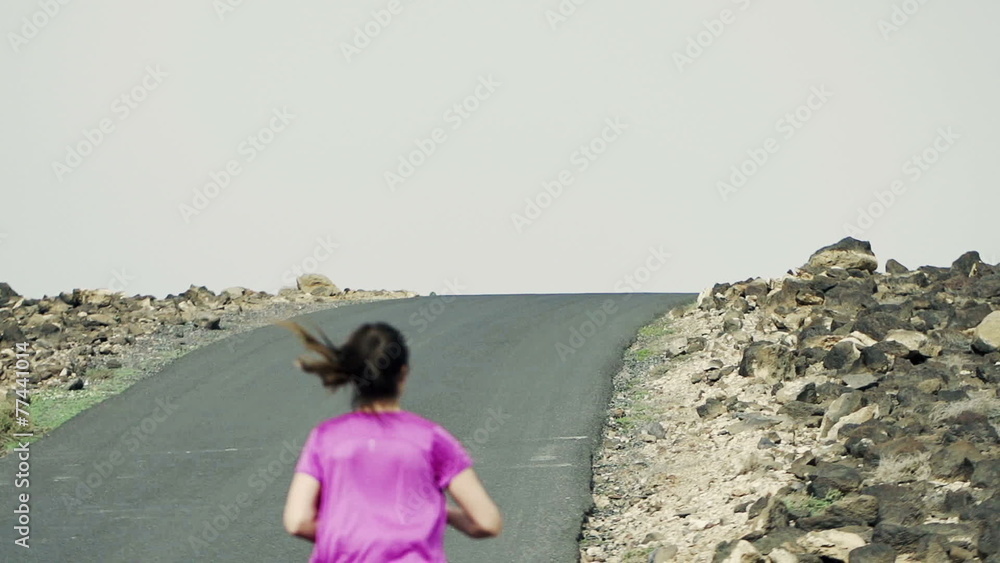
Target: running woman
x: 369, y: 485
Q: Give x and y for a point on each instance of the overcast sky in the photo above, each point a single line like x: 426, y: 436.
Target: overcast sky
x: 559, y: 147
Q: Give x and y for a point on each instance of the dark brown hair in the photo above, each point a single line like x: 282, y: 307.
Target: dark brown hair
x: 372, y: 360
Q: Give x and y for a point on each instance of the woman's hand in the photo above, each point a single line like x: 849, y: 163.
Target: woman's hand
x: 476, y: 514
x: 300, y: 507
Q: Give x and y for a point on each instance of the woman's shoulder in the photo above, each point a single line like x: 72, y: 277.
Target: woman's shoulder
x: 418, y: 419
x: 430, y: 426
x: 351, y: 422
x: 400, y: 415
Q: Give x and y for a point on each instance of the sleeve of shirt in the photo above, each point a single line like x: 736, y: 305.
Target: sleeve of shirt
x: 309, y: 458
x: 449, y: 457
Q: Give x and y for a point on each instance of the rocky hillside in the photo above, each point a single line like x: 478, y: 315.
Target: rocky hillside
x: 834, y: 414
x: 79, y: 330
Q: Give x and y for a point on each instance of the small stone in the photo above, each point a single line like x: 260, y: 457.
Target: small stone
x: 663, y: 554
x: 859, y: 381
x: 765, y: 443
x: 873, y: 553
x: 711, y: 409
x: 655, y: 429
x: 76, y: 385
x: 986, y: 338
x: 696, y: 344
x: 675, y: 346
x: 652, y: 536
x: 894, y: 267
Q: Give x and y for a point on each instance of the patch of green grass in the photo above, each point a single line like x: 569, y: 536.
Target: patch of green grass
x: 50, y: 408
x: 655, y: 330
x: 643, y: 354
x: 802, y: 503
x: 640, y: 414
x: 635, y: 556
x: 9, y: 426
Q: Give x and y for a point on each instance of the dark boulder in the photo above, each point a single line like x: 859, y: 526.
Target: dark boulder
x: 898, y: 505
x: 987, y: 287
x: 875, y: 359
x: 843, y: 355
x: 905, y: 539
x: 955, y: 502
x: 7, y: 294
x: 863, y: 440
x: 847, y: 254
x: 964, y: 264
x: 711, y: 409
x: 807, y: 357
x: 989, y: 373
x: 969, y: 315
x: 894, y: 267
x: 986, y: 474
x: 872, y: 553
x: 768, y: 361
x: 834, y: 478
x: 877, y: 324
x: 800, y: 410
x: 852, y: 510
x: 10, y: 333
x: 971, y: 426
x: 851, y: 296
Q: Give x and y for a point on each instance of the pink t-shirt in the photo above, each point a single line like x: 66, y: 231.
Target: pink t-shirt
x: 382, y: 479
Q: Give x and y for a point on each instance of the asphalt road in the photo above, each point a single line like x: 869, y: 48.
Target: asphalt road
x: 193, y: 463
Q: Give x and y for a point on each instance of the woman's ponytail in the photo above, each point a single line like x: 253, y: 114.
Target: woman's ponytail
x: 372, y: 359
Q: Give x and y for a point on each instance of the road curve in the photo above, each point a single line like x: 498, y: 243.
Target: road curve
x: 193, y: 463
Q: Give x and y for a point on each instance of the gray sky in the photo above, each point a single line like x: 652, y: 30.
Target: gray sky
x: 313, y: 105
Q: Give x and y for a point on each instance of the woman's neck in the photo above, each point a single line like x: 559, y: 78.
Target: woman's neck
x: 379, y: 407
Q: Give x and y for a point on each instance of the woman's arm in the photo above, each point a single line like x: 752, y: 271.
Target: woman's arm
x: 301, y: 507
x: 476, y: 515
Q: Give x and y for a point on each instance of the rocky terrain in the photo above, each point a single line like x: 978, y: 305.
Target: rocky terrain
x: 836, y: 413
x: 88, y: 335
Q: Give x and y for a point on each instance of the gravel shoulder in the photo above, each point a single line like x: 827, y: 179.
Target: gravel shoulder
x: 667, y: 480
x: 834, y: 414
